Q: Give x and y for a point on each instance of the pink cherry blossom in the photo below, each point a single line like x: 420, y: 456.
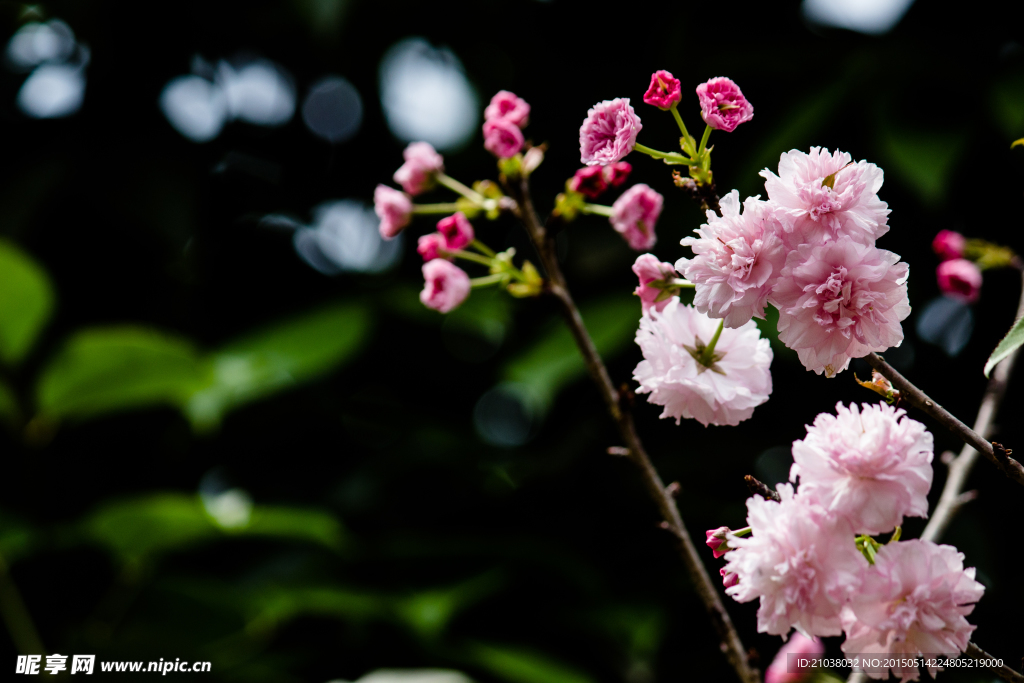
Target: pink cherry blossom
x: 446, y: 285
x: 716, y: 540
x: 634, y: 215
x: 502, y: 138
x: 840, y: 300
x: 457, y: 231
x: 912, y: 601
x: 429, y: 246
x: 798, y: 647
x: 813, y: 212
x: 737, y: 260
x: 959, y: 279
x: 800, y: 561
x: 649, y: 269
x: 664, y: 90
x: 871, y: 465
x: 394, y: 209
x: 505, y: 105
x: 949, y: 245
x: 617, y: 173
x: 421, y: 163
x: 609, y: 132
x: 589, y: 181
x: 725, y: 393
x: 722, y: 104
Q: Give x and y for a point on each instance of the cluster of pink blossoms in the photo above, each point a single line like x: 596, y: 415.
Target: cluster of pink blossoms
x: 504, y: 119
x: 860, y: 471
x: 959, y: 278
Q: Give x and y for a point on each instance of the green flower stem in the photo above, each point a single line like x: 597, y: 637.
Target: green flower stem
x: 679, y: 121
x: 684, y: 284
x: 598, y: 209
x: 455, y: 186
x: 16, y: 617
x: 468, y: 255
x: 704, y: 140
x: 447, y: 207
x: 669, y: 157
x: 483, y: 248
x: 709, y: 350
x: 487, y: 280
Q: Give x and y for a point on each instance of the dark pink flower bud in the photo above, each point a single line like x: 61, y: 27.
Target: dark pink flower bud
x: 949, y: 245
x: 505, y: 105
x: 394, y: 209
x: 617, y: 173
x: 421, y: 163
x: 634, y: 215
x: 665, y: 90
x: 502, y: 138
x: 457, y: 231
x: 799, y: 647
x: 430, y: 245
x: 446, y: 285
x: 723, y: 105
x: 715, y: 537
x: 959, y: 279
x: 728, y: 578
x: 589, y: 182
x: 649, y: 269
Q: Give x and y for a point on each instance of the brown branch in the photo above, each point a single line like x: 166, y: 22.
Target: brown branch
x: 706, y: 588
x: 1004, y: 672
x: 758, y: 487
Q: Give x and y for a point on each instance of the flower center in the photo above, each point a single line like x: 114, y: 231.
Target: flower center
x: 821, y: 200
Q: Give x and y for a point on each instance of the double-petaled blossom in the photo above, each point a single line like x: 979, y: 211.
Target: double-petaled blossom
x: 502, y: 138
x: 634, y: 215
x: 912, y: 601
x: 650, y: 270
x: 737, y: 260
x: 422, y: 162
x: 840, y: 300
x: 722, y: 104
x: 506, y: 105
x: 724, y: 391
x: 446, y: 285
x: 394, y: 209
x: 949, y: 245
x: 664, y: 91
x: 786, y: 667
x: 617, y: 173
x: 609, y: 132
x: 457, y: 231
x: 960, y: 279
x: 823, y: 196
x: 589, y: 181
x: 872, y: 466
x: 800, y: 560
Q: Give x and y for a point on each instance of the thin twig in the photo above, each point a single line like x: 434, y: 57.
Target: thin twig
x: 1004, y: 672
x: 706, y: 588
x: 760, y: 488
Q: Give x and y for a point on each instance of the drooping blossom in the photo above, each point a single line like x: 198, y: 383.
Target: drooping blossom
x: 871, y: 465
x: 722, y: 393
x: 634, y: 215
x: 446, y: 285
x: 649, y: 269
x: 716, y: 540
x: 912, y: 601
x: 421, y: 163
x: 429, y: 246
x: 949, y: 245
x: 799, y: 560
x: 502, y: 138
x: 506, y: 105
x: 609, y: 132
x: 796, y: 648
x: 822, y: 196
x: 617, y: 173
x: 960, y: 279
x: 394, y: 209
x: 664, y: 91
x: 840, y: 300
x: 722, y: 104
x: 589, y: 181
x: 737, y: 260
x: 457, y: 231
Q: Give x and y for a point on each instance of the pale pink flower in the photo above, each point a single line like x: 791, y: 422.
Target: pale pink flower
x: 949, y: 244
x: 502, y: 138
x: 589, y: 181
x: 649, y: 269
x: 505, y: 105
x: 737, y: 259
x: 609, y: 132
x: 871, y: 465
x: 421, y: 163
x: 457, y: 231
x: 722, y: 104
x: 430, y: 245
x: 394, y: 209
x: 812, y: 212
x: 664, y: 90
x: 796, y: 648
x: 716, y: 540
x: 840, y: 300
x: 799, y: 560
x: 634, y: 215
x: 725, y: 393
x: 959, y: 279
x: 617, y: 173
x: 446, y: 285
x: 912, y: 601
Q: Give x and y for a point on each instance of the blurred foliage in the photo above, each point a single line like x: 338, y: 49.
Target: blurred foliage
x: 26, y: 302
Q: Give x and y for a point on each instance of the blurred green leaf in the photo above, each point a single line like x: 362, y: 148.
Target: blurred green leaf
x: 429, y: 612
x: 1010, y: 343
x: 518, y: 665
x: 10, y: 411
x: 16, y: 538
x: 296, y: 523
x: 26, y: 301
x: 1008, y: 104
x: 923, y: 160
x: 769, y: 328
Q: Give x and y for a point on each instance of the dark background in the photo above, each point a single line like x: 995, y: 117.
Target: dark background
x: 540, y: 563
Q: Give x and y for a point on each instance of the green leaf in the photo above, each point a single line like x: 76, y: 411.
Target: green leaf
x: 518, y: 665
x: 10, y: 411
x: 1010, y: 343
x: 923, y: 160
x: 26, y: 301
